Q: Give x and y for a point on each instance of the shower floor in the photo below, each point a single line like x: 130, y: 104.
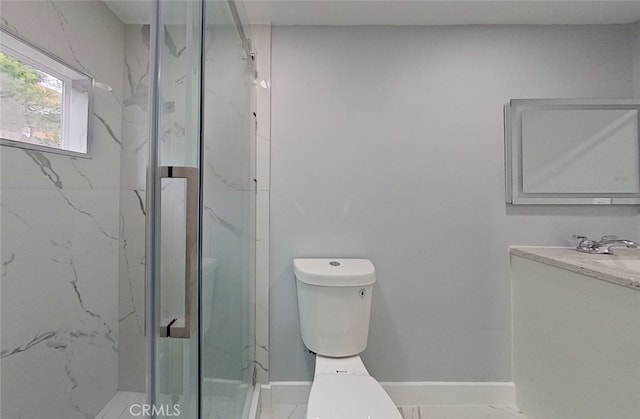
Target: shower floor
x: 222, y: 406
x: 118, y: 406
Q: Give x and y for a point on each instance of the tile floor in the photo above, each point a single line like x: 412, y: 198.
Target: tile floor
x: 415, y: 412
x: 118, y: 408
x: 224, y: 406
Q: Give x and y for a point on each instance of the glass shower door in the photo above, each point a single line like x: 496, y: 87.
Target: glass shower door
x: 174, y: 218
x: 228, y: 219
x: 201, y: 217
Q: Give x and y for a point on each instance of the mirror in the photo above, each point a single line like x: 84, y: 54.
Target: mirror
x: 561, y: 151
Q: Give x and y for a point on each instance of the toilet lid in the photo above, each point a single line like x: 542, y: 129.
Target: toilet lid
x: 335, y: 396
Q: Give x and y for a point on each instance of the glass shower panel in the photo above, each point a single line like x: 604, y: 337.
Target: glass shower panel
x: 178, y: 140
x: 228, y: 226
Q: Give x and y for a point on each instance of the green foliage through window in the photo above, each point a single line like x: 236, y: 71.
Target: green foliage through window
x: 30, y: 103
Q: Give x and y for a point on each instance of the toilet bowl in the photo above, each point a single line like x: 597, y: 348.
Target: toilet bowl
x: 334, y: 302
x: 343, y: 389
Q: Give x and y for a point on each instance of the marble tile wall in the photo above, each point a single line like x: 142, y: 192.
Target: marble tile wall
x: 134, y: 156
x: 60, y: 232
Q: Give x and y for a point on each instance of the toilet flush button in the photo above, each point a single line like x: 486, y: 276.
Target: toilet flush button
x: 334, y: 263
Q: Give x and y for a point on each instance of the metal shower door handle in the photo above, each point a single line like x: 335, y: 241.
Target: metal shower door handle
x: 184, y: 328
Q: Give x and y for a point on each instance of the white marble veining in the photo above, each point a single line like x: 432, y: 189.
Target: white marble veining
x: 60, y: 233
x: 617, y: 268
x: 298, y: 411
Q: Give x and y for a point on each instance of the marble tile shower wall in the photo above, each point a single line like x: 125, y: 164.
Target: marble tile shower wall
x: 60, y: 233
x: 135, y: 135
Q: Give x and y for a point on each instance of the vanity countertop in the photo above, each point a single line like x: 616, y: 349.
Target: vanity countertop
x: 622, y: 268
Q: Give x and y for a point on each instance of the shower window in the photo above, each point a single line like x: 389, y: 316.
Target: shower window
x: 45, y: 104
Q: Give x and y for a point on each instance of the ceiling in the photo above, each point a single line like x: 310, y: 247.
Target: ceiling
x: 414, y: 12
x: 130, y: 11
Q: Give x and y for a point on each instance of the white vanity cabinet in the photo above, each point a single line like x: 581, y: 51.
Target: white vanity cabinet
x: 576, y: 333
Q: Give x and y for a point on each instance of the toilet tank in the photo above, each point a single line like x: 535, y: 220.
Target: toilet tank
x: 334, y: 304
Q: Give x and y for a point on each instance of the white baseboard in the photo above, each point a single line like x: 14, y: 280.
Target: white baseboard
x: 412, y: 393
x: 285, y: 392
x: 451, y: 393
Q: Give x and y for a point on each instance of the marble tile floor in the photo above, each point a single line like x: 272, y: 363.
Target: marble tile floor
x: 118, y: 408
x: 413, y: 412
x: 119, y: 405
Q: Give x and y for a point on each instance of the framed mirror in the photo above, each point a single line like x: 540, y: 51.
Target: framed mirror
x: 572, y: 151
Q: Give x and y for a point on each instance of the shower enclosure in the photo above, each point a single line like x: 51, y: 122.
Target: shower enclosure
x: 127, y: 285
x: 200, y: 231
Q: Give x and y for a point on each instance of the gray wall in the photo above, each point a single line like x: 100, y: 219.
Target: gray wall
x: 387, y: 143
x: 636, y: 59
x: 636, y: 80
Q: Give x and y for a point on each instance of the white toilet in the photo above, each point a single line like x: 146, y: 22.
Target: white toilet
x: 334, y: 301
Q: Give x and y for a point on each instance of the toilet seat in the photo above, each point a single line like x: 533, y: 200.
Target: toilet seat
x: 341, y: 396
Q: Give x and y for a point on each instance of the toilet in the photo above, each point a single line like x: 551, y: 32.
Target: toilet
x: 334, y: 303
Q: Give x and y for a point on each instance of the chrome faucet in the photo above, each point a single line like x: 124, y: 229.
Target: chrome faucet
x: 603, y: 246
